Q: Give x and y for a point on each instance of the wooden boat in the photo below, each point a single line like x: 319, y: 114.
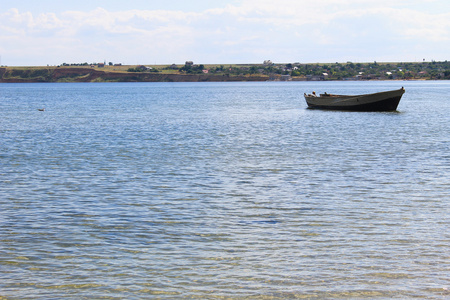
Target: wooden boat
x: 382, y: 101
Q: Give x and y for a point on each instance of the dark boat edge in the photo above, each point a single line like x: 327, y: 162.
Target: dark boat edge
x: 388, y: 104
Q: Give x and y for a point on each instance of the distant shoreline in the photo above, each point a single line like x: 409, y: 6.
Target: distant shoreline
x: 71, y: 74
x: 225, y: 73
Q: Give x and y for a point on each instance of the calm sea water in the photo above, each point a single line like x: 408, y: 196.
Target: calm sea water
x: 222, y: 190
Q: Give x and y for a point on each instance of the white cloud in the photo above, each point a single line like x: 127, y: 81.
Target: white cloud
x: 251, y: 31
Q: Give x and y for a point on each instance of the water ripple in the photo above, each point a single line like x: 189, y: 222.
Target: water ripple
x: 221, y: 190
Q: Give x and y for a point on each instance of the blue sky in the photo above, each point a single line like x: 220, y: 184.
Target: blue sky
x: 50, y: 32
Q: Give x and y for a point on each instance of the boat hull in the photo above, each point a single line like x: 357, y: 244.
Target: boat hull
x: 383, y: 101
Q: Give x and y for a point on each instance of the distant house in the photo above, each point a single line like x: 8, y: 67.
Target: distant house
x: 101, y: 65
x: 173, y: 67
x: 117, y: 65
x: 315, y: 77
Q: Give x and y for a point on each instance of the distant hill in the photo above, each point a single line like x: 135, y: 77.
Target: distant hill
x: 68, y: 74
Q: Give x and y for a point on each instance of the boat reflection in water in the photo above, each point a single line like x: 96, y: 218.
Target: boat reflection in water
x: 382, y: 101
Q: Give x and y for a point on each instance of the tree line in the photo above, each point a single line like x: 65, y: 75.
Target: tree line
x: 332, y: 71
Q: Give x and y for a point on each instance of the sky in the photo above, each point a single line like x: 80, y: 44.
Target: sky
x: 47, y: 32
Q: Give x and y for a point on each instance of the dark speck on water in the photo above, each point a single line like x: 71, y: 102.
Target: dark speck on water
x: 222, y: 191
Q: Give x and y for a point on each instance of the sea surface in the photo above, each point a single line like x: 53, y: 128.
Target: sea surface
x: 222, y: 191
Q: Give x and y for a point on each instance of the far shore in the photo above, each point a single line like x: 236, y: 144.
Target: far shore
x: 190, y: 72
